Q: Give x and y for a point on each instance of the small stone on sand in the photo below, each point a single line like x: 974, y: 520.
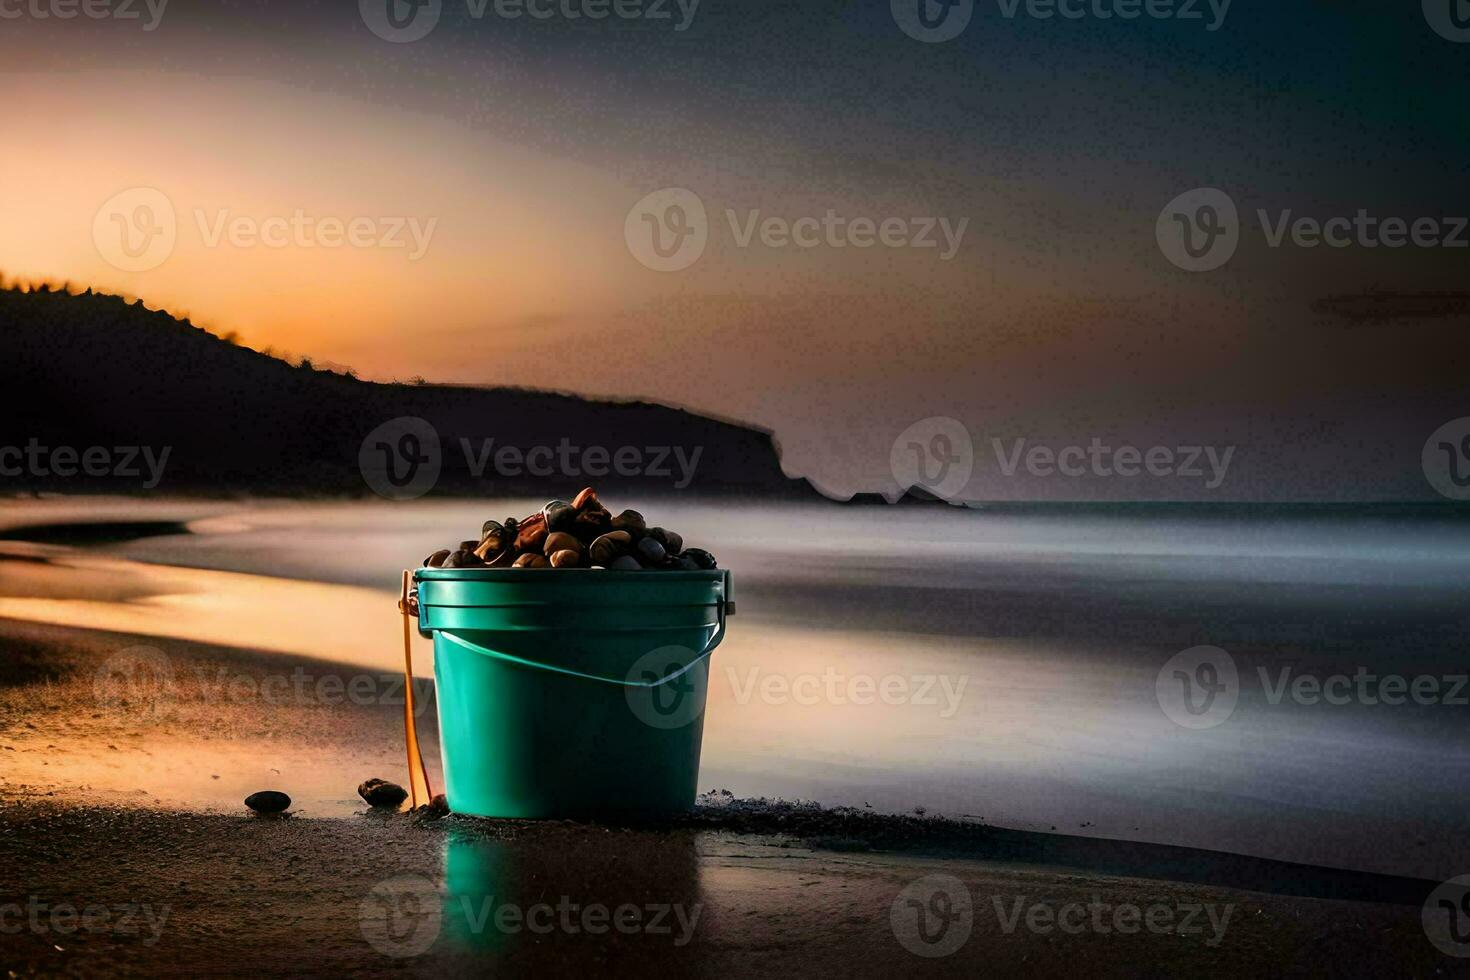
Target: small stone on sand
x: 380, y: 792
x: 268, y: 801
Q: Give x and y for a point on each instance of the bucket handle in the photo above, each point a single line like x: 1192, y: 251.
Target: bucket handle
x: 420, y: 792
x: 725, y: 607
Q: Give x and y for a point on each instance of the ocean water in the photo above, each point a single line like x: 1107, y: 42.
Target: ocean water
x: 1290, y: 685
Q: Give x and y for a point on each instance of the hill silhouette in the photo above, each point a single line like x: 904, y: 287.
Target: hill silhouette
x: 85, y: 370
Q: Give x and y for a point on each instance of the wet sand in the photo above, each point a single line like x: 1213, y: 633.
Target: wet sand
x: 96, y: 813
x: 1056, y: 625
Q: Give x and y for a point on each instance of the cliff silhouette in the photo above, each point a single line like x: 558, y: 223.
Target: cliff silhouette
x: 88, y: 370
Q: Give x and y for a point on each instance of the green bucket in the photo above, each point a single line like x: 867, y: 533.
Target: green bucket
x: 571, y: 692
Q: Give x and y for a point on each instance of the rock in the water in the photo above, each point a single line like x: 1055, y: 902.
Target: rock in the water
x: 380, y: 792
x: 268, y: 801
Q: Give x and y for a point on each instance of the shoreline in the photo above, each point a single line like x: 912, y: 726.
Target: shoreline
x: 763, y: 886
x: 241, y: 895
x: 1058, y: 728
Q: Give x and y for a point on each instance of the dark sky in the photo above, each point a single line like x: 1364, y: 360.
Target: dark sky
x: 1059, y: 317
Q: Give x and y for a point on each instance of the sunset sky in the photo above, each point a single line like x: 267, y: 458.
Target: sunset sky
x: 522, y: 145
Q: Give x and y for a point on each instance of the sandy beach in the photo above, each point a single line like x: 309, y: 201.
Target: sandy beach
x: 103, y: 873
x: 154, y: 677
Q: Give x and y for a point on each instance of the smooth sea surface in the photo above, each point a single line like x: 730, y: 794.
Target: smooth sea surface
x: 1012, y: 667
